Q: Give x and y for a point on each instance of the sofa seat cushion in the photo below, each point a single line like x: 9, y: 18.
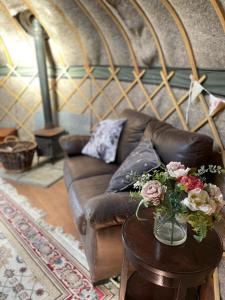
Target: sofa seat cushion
x: 82, y: 166
x: 81, y: 191
x: 172, y: 144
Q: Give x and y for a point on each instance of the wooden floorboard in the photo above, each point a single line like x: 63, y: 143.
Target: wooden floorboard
x: 53, y: 201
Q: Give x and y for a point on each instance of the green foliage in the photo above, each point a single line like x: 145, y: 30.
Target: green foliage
x: 162, y: 177
x: 135, y: 195
x: 210, y: 169
x: 200, y: 223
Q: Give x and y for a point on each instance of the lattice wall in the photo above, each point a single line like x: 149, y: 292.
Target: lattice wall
x: 20, y: 97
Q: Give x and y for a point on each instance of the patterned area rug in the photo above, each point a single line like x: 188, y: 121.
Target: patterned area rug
x: 39, y: 262
x: 42, y: 174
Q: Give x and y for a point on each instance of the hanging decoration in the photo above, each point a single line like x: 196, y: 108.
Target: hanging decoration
x: 195, y: 90
x: 215, y: 103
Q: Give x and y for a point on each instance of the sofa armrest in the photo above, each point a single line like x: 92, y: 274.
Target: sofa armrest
x: 73, y: 144
x: 109, y: 209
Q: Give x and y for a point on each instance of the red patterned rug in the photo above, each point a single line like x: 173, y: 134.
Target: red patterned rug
x: 38, y: 261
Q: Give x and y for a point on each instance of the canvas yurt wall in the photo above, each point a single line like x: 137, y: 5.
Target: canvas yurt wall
x: 105, y: 55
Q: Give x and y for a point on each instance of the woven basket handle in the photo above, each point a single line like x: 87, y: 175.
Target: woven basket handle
x: 11, y: 138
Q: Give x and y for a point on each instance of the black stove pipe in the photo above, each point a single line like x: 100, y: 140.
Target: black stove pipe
x: 39, y: 39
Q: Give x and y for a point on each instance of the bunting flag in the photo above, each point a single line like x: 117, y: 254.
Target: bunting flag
x: 215, y: 104
x: 195, y: 90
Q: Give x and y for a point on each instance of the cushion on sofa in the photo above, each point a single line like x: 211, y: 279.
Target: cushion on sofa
x: 81, y: 191
x: 82, y: 166
x: 142, y: 159
x: 172, y: 144
x: 104, y: 140
x: 132, y: 132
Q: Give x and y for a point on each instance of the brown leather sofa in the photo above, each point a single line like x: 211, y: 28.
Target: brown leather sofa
x: 98, y: 215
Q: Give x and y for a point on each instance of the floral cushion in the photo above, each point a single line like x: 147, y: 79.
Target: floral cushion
x: 142, y: 159
x: 104, y: 140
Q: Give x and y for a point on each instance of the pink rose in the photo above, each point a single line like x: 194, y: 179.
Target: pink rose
x: 153, y: 191
x: 176, y: 169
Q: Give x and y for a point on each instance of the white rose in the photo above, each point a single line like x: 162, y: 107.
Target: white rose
x: 216, y: 196
x: 176, y: 169
x: 208, y: 209
x: 215, y: 192
x: 199, y: 200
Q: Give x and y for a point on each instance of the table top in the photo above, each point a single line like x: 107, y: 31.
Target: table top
x: 4, y: 132
x: 174, y: 261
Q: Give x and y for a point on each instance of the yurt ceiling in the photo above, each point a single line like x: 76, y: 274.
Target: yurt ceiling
x: 106, y: 55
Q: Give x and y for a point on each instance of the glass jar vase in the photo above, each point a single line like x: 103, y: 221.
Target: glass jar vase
x: 168, y: 230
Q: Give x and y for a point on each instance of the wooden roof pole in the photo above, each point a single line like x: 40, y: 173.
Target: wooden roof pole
x: 192, y: 61
x: 152, y: 30
x: 217, y: 6
x: 19, y: 30
x: 106, y: 8
x: 6, y: 52
x: 99, y: 31
x: 67, y: 21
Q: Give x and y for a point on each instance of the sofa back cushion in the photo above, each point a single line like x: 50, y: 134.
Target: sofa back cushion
x: 132, y: 132
x: 172, y: 144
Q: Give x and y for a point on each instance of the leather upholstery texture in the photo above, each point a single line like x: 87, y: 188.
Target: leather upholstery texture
x: 80, y: 193
x: 109, y: 209
x: 172, y: 144
x: 104, y: 251
x: 132, y: 132
x: 73, y: 144
x: 82, y: 166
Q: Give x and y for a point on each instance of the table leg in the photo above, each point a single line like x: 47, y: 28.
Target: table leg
x: 181, y: 292
x: 124, y: 275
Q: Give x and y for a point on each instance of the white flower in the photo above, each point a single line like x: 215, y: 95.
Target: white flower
x: 176, y: 169
x: 215, y: 192
x: 216, y: 195
x: 137, y: 184
x: 199, y: 200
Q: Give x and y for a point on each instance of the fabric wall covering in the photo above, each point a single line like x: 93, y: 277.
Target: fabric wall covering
x: 105, y: 55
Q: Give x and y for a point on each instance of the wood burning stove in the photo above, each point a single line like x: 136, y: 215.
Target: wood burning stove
x: 47, y: 138
x: 48, y: 142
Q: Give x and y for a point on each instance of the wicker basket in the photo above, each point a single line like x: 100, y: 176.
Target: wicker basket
x: 15, y: 155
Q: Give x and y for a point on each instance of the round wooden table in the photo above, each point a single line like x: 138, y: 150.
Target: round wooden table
x: 165, y: 272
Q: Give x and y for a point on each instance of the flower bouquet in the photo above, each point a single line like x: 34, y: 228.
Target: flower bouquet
x: 179, y: 196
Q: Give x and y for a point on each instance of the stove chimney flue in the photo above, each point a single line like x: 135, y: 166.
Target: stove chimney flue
x: 39, y: 38
x: 47, y: 138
